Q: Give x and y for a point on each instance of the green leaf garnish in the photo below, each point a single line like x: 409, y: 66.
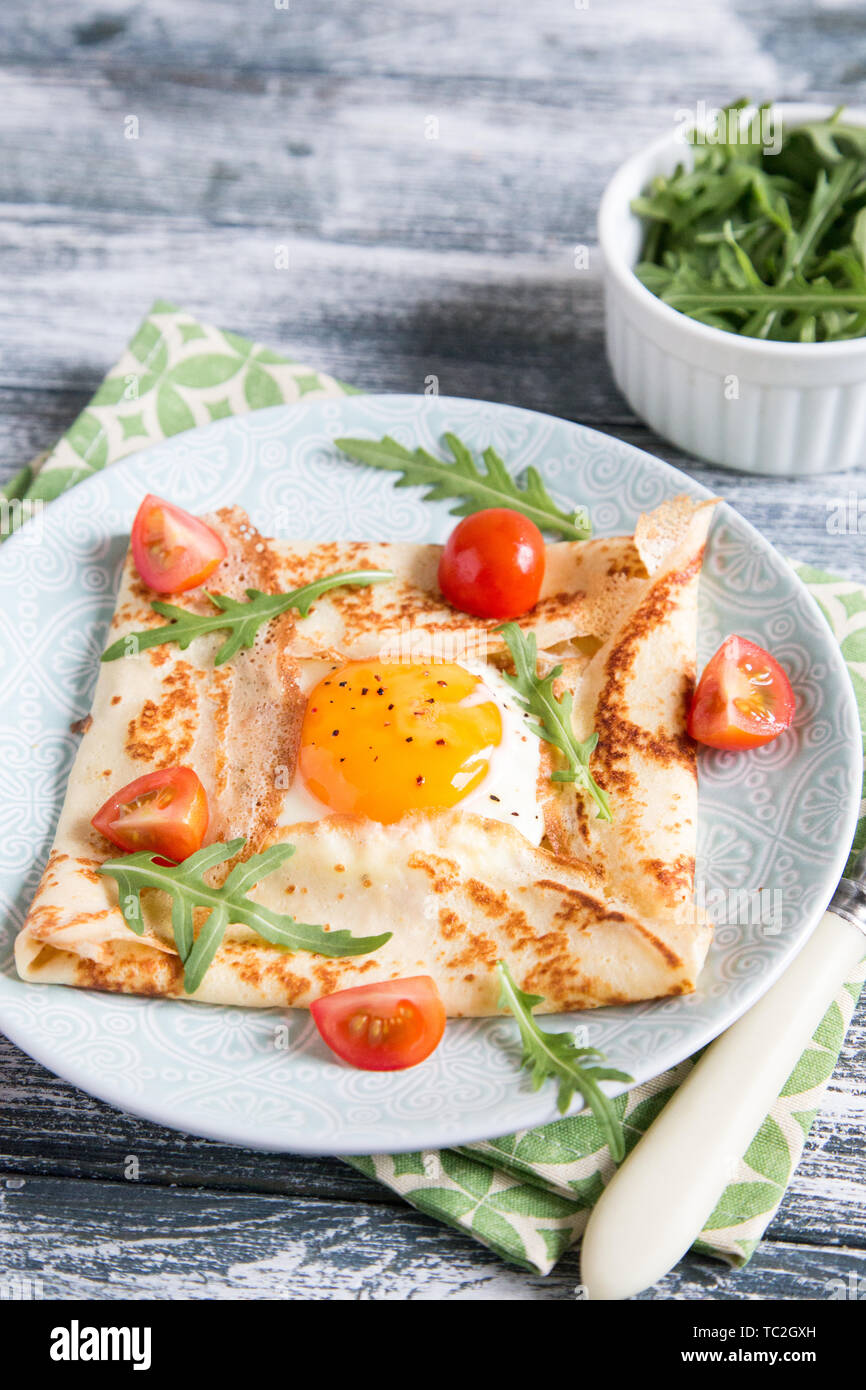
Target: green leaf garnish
x: 550, y: 718
x: 186, y: 885
x: 767, y: 245
x: 240, y: 619
x: 557, y: 1055
x: 461, y: 477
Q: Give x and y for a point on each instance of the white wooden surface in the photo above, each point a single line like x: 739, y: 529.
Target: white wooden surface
x: 408, y: 256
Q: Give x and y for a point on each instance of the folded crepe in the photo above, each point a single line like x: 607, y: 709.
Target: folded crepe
x: 597, y: 913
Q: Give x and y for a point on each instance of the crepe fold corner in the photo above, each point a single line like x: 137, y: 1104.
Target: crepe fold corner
x: 599, y: 914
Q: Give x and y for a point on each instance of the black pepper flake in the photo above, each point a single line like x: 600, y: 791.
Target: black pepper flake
x: 381, y: 690
x: 334, y: 733
x: 493, y: 798
x: 365, y: 689
x: 440, y: 742
x: 441, y: 682
x: 409, y: 739
x: 419, y: 780
x: 343, y: 684
x: 390, y: 706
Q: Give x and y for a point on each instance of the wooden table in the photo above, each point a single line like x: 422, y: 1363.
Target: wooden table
x: 264, y: 123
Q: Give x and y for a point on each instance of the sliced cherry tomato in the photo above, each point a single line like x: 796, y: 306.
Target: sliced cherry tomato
x: 493, y: 564
x: 173, y: 550
x: 743, y: 699
x: 164, y: 812
x: 382, y: 1027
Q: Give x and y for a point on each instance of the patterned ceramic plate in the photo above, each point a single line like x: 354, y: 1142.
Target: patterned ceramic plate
x: 782, y: 818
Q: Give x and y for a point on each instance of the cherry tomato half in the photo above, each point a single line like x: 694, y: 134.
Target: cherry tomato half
x: 173, y: 550
x: 493, y: 564
x: 743, y: 699
x: 163, y: 812
x: 382, y: 1027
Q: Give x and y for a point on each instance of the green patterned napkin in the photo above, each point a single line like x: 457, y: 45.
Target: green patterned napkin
x: 527, y: 1195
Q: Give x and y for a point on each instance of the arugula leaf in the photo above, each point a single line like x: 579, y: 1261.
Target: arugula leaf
x: 557, y: 1055
x: 240, y: 619
x: 768, y: 245
x: 700, y: 298
x: 550, y: 718
x: 461, y: 477
x: 188, y: 890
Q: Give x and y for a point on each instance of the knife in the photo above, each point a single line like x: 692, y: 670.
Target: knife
x: 658, y: 1201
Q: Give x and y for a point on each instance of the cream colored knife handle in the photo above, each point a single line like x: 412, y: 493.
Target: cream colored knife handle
x: 658, y: 1201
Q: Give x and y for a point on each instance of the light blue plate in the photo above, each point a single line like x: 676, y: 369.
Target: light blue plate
x: 781, y: 818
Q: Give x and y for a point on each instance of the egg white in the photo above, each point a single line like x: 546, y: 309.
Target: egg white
x: 508, y: 791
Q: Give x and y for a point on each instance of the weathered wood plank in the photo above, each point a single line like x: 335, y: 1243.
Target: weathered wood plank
x: 528, y: 332
x: 540, y: 41
x: 318, y: 157
x: 131, y: 1242
x: 31, y: 421
x: 429, y: 162
x: 617, y: 42
x: 49, y: 1127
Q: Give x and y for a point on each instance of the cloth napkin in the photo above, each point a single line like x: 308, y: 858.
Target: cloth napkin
x: 527, y: 1195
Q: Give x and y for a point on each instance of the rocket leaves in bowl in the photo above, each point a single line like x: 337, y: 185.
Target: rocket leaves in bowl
x: 765, y: 235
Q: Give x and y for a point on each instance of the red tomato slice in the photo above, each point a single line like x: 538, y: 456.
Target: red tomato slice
x: 382, y: 1027
x: 743, y: 699
x: 173, y: 550
x: 493, y: 564
x: 164, y: 812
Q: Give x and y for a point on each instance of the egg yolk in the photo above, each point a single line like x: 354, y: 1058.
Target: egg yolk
x: 381, y: 740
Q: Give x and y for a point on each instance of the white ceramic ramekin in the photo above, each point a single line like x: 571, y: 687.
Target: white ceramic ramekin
x: 763, y: 407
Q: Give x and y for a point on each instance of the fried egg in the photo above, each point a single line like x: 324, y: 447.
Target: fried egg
x: 379, y: 740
